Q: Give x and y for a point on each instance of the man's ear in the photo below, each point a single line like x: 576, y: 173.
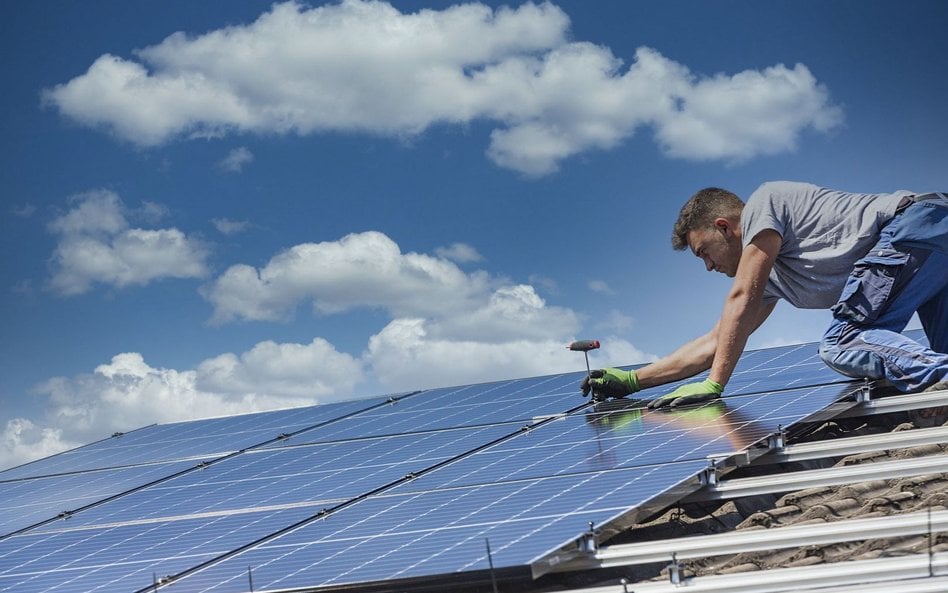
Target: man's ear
x: 723, y: 224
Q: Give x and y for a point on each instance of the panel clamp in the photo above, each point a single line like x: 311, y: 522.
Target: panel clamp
x: 709, y: 476
x: 588, y: 541
x: 778, y: 440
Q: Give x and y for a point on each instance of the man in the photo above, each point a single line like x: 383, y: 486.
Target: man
x: 873, y: 259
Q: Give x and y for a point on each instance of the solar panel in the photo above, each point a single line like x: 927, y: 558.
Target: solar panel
x: 314, y: 475
x: 27, y: 502
x: 124, y: 556
x: 550, y: 482
x: 384, y: 489
x: 411, y: 534
x: 514, y: 401
x: 196, y: 439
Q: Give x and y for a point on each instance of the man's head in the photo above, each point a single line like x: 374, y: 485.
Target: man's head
x: 710, y: 225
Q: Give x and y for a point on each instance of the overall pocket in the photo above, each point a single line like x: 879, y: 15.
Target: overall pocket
x: 869, y: 286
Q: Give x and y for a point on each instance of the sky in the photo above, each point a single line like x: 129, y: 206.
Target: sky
x: 226, y: 206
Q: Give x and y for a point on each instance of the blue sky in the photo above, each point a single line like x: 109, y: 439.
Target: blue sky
x: 225, y: 206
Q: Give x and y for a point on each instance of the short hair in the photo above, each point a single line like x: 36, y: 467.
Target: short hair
x: 700, y: 211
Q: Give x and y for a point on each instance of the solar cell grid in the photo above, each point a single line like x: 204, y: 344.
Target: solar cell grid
x: 489, y: 403
x: 634, y: 437
x: 27, y: 502
x: 124, y: 557
x: 402, y: 535
x: 773, y: 369
x: 323, y: 474
x: 198, y: 438
x: 530, y: 494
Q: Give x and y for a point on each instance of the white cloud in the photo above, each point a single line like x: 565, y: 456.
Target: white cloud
x: 314, y: 371
x: 230, y: 227
x: 510, y: 313
x: 404, y: 356
x: 461, y: 253
x: 360, y: 270
x: 96, y: 245
x: 236, y: 159
x: 362, y: 66
x: 470, y: 326
x: 747, y: 114
x: 127, y: 393
x: 22, y: 441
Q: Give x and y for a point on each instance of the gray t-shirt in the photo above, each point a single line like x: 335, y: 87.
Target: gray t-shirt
x: 824, y: 232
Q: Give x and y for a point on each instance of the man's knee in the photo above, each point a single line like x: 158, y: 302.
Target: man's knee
x: 850, y: 360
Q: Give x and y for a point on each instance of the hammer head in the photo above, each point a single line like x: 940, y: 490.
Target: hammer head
x: 584, y: 345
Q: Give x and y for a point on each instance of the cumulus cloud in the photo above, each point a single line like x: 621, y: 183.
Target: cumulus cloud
x: 97, y: 245
x: 360, y: 270
x: 447, y: 326
x: 128, y: 393
x: 405, y: 356
x: 236, y: 159
x: 22, y: 441
x: 311, y: 372
x: 363, y: 66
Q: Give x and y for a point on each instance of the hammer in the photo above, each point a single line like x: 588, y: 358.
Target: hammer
x: 584, y: 346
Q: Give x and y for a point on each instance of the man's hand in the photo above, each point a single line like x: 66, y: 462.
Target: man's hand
x: 609, y: 382
x: 690, y: 393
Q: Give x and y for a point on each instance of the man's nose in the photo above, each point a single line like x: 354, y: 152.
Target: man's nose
x: 708, y: 264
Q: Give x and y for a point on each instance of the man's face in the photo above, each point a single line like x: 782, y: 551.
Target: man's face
x: 718, y: 247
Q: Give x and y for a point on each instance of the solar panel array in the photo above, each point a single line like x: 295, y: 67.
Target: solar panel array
x: 395, y: 489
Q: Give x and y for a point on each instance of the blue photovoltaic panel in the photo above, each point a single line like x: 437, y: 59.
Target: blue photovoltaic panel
x: 30, y: 501
x: 773, y: 369
x: 403, y: 535
x: 519, y: 400
x: 124, y: 556
x: 540, y: 480
x: 201, y: 504
x: 199, y: 438
x: 531, y: 492
x: 320, y: 475
x: 634, y: 437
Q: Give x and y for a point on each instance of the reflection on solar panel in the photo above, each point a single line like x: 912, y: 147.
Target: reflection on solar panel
x: 402, y: 489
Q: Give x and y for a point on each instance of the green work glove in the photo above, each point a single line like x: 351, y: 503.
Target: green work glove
x: 690, y: 393
x: 606, y: 383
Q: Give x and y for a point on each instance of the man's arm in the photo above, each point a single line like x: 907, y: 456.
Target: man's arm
x: 744, y: 306
x: 744, y: 309
x: 692, y: 358
x: 688, y: 360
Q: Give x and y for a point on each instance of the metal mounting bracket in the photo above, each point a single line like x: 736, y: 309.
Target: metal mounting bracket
x: 588, y: 542
x: 778, y: 440
x: 865, y: 394
x: 709, y: 477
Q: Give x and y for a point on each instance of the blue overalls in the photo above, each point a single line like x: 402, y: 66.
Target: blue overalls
x: 904, y: 273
